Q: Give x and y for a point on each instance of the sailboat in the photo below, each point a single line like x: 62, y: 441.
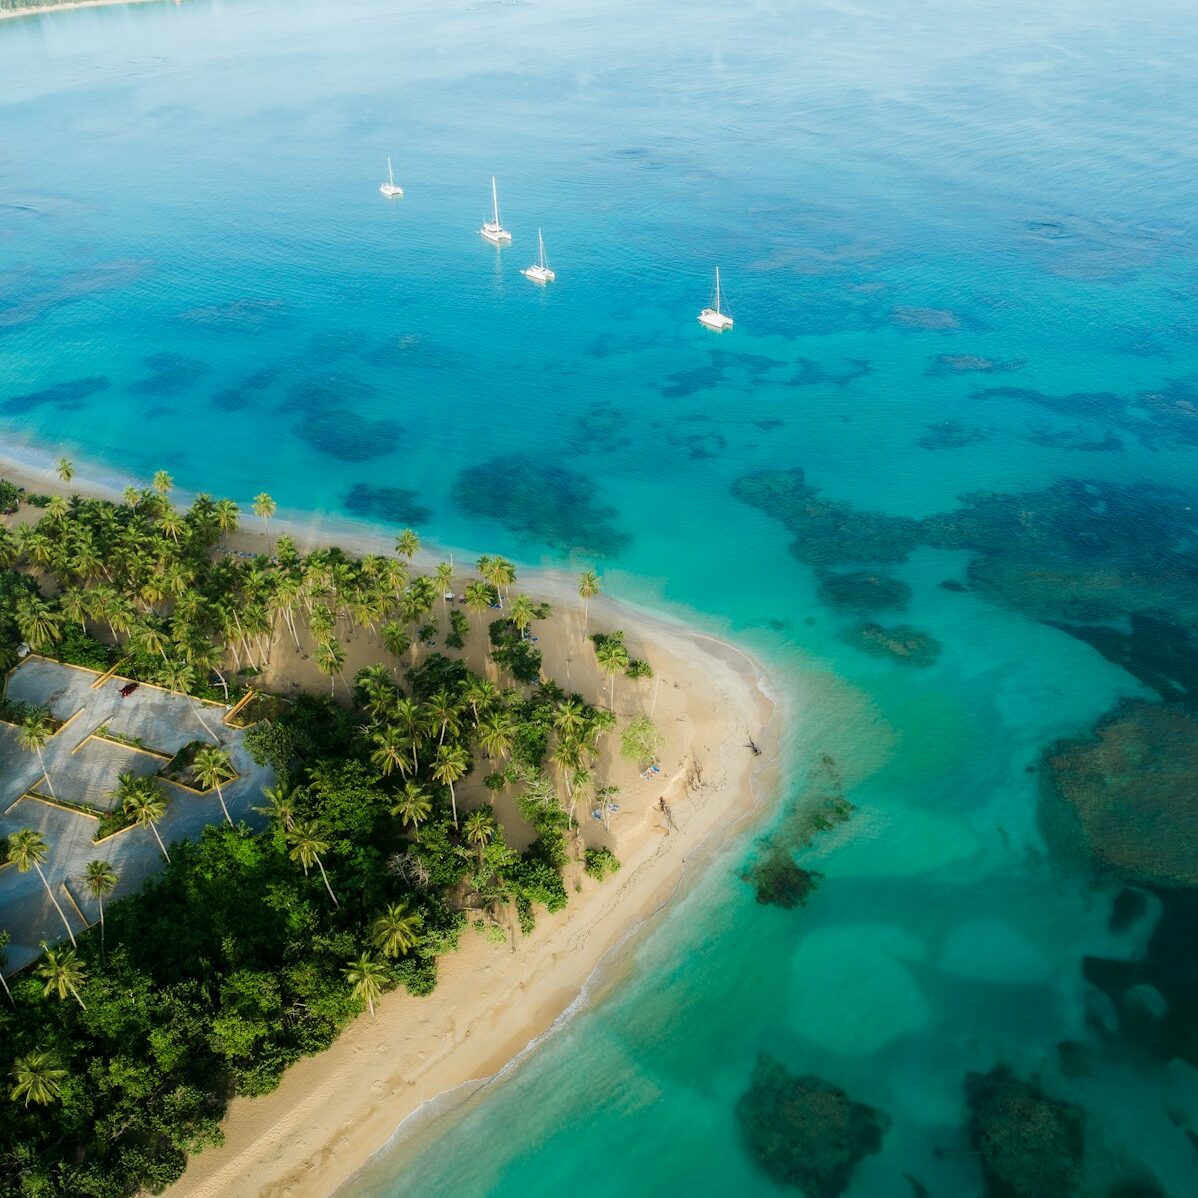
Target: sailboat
x: 492, y: 230
x: 540, y: 273
x: 712, y: 317
x: 388, y: 188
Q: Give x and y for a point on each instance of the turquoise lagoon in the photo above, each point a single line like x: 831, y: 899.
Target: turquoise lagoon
x: 911, y: 203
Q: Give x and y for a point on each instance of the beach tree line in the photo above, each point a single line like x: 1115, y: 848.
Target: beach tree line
x: 254, y: 948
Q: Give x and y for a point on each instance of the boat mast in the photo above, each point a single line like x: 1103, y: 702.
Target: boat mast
x: 495, y: 199
x: 717, y: 290
x: 390, y: 172
x: 541, y: 248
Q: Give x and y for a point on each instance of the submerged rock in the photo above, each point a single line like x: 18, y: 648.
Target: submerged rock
x: 1030, y: 1145
x: 805, y: 1132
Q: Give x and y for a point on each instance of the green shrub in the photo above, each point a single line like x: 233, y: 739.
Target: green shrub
x: 600, y: 863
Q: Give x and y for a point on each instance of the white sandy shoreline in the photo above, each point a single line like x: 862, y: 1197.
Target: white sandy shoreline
x: 33, y: 12
x: 333, y: 1112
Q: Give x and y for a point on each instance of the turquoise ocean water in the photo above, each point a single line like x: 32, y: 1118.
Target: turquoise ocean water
x: 911, y: 202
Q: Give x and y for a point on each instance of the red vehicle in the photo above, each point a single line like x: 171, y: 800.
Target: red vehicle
x: 128, y: 689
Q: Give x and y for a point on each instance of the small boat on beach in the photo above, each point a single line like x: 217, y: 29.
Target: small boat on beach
x: 388, y: 188
x: 492, y: 229
x: 712, y: 317
x: 540, y: 272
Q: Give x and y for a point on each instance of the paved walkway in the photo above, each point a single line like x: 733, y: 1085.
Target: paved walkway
x: 85, y: 771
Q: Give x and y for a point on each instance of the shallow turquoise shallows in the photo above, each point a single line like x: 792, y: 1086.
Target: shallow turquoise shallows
x: 910, y: 202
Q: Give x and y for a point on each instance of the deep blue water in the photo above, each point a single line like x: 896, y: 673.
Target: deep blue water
x: 198, y: 273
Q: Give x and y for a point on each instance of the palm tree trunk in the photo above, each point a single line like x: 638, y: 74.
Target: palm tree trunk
x: 154, y: 829
x: 42, y: 763
x: 204, y: 722
x: 7, y: 990
x: 78, y: 999
x: 328, y: 887
x: 100, y: 902
x: 57, y: 908
x: 220, y: 795
x: 454, y: 801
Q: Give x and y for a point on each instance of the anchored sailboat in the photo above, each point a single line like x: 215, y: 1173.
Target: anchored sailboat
x: 712, y: 317
x: 492, y: 230
x: 388, y: 188
x: 540, y: 273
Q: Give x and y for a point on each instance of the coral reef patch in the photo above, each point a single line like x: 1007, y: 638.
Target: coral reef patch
x: 394, y: 505
x: 1029, y: 1145
x: 62, y: 395
x: 901, y: 642
x: 863, y: 590
x: 345, y: 435
x: 544, y: 502
x: 804, y: 1132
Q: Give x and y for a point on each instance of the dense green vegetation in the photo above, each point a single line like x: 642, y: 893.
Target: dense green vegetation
x: 252, y: 949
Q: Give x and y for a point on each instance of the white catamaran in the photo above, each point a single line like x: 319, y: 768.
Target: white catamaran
x: 492, y: 230
x: 712, y: 317
x: 388, y: 188
x: 540, y: 273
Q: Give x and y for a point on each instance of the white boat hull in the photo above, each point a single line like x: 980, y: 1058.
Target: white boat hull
x: 714, y: 320
x: 539, y: 274
x: 391, y: 191
x: 496, y: 234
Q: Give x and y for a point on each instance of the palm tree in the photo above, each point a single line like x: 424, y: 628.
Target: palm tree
x: 37, y: 1076
x: 179, y: 676
x: 479, y: 828
x: 503, y: 573
x: 306, y: 847
x: 412, y: 804
x: 27, y: 847
x: 497, y: 733
x: 65, y: 470
x: 391, y: 751
x: 444, y: 576
x: 162, y: 483
x: 443, y: 710
x: 330, y: 660
x: 280, y: 805
x: 407, y: 544
x: 613, y: 658
x: 479, y: 596
x: 396, y: 930
x: 522, y: 612
x: 226, y: 513
x: 212, y: 766
x: 64, y: 973
x: 588, y: 588
x: 264, y: 508
x: 33, y: 733
x: 396, y: 638
x: 364, y: 976
x: 38, y: 623
x: 144, y: 801
x: 99, y: 879
x: 480, y: 694
x: 569, y: 718
x: 449, y: 765
x: 410, y: 717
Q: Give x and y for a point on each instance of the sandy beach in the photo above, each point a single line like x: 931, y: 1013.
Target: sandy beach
x: 29, y: 12
x: 334, y: 1111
